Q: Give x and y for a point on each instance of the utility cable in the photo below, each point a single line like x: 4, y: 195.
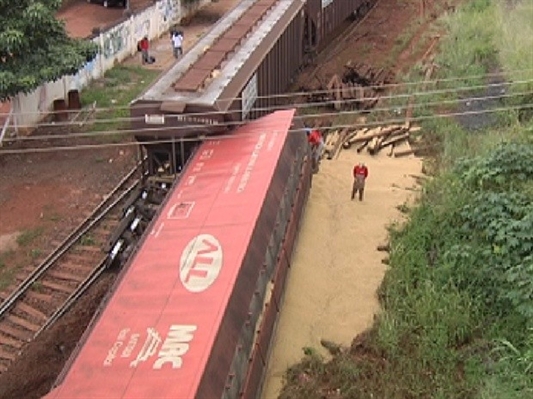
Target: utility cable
x: 395, y: 109
x: 234, y: 136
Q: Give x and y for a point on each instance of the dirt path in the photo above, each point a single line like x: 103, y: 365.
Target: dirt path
x: 336, y: 269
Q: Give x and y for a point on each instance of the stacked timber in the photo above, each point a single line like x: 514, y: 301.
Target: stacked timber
x: 359, y: 86
x: 394, y: 138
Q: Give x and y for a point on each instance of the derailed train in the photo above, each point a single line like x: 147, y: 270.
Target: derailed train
x: 193, y: 312
x: 235, y: 72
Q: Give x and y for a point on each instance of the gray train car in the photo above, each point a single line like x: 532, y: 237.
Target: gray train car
x: 229, y: 76
x: 327, y: 17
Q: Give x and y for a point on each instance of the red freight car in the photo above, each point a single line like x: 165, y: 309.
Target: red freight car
x: 193, y: 312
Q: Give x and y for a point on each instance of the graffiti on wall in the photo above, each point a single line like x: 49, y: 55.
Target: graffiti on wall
x: 115, y: 40
x: 84, y: 75
x: 168, y: 10
x: 141, y: 29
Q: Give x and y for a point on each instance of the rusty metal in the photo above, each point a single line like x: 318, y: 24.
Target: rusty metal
x: 258, y: 42
x: 327, y: 20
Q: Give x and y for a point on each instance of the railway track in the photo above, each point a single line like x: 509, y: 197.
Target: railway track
x: 49, y: 290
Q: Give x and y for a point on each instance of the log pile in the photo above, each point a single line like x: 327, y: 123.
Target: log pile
x: 358, y: 87
x: 395, y: 139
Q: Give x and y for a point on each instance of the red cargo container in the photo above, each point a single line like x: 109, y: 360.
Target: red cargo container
x: 193, y: 313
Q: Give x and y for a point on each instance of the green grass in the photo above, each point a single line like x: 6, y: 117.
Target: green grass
x: 35, y: 253
x: 7, y: 274
x: 515, y: 44
x: 87, y: 240
x: 457, y: 312
x: 29, y: 236
x: 115, y: 91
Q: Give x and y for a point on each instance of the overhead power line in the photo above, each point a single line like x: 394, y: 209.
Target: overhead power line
x: 395, y: 108
x: 304, y: 105
x: 233, y: 136
x: 324, y: 92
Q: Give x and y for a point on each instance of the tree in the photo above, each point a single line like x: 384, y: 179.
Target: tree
x: 35, y: 48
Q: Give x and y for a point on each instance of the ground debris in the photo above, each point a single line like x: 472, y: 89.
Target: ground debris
x: 333, y: 348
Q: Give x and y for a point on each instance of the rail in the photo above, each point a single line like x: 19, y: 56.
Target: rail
x: 61, y: 279
x: 67, y: 243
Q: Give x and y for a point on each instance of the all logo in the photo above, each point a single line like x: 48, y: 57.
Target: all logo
x: 200, y: 263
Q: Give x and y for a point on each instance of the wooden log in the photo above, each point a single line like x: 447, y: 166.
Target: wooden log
x: 391, y: 150
x: 331, y: 138
x: 330, y: 142
x: 384, y: 247
x: 387, y: 133
x: 362, y: 146
x: 367, y: 136
x: 363, y: 133
x: 351, y: 135
x: 336, y: 149
x: 378, y: 132
x: 404, y: 153
x: 394, y: 140
x: 371, y: 148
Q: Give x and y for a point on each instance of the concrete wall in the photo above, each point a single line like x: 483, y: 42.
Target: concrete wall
x: 116, y: 44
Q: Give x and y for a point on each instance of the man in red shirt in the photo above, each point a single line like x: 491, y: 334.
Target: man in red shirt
x: 317, y: 145
x: 360, y: 173
x: 144, y: 45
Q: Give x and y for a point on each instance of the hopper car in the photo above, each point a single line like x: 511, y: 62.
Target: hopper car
x: 236, y: 72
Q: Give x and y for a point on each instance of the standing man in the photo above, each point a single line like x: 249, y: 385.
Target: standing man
x: 144, y: 46
x: 317, y: 146
x: 360, y: 173
x: 177, y: 43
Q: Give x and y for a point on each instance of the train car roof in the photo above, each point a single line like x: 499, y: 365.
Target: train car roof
x: 155, y: 335
x: 218, y: 67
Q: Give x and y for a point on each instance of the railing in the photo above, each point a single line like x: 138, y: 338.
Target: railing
x: 6, y: 125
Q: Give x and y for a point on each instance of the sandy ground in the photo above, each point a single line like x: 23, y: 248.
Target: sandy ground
x: 336, y: 269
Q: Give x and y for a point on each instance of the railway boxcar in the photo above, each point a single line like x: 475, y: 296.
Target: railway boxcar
x: 327, y: 17
x: 253, y: 52
x: 192, y: 314
x: 236, y: 72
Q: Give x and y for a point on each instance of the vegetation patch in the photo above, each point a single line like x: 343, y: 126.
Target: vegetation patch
x: 29, y: 236
x: 112, y: 95
x: 457, y: 303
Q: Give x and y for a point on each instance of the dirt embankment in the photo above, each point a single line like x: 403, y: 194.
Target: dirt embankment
x: 336, y: 269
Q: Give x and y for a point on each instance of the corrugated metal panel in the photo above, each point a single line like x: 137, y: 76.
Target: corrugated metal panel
x: 328, y: 16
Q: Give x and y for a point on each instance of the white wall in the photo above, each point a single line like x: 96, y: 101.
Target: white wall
x: 116, y: 44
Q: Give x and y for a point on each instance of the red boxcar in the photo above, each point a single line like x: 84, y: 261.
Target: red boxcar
x: 193, y: 312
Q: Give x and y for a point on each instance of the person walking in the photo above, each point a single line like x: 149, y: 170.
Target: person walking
x: 177, y: 43
x: 144, y: 46
x: 360, y: 173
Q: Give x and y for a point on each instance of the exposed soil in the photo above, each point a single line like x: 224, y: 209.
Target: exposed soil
x: 82, y: 17
x: 47, y: 193
x: 43, y: 197
x: 336, y: 269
